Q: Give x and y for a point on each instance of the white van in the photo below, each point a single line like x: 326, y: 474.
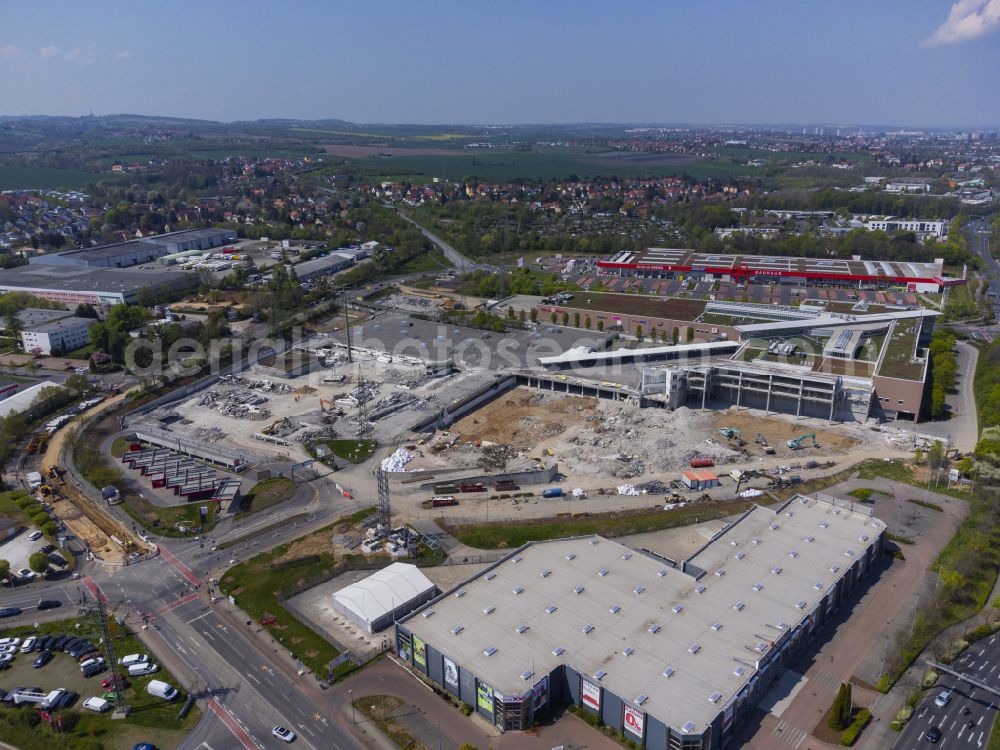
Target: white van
x: 98, y: 705
x: 128, y: 661
x: 160, y: 689
x: 137, y: 670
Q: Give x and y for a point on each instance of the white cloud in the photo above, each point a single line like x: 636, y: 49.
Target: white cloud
x: 123, y: 54
x: 967, y: 19
x: 10, y: 51
x: 47, y: 53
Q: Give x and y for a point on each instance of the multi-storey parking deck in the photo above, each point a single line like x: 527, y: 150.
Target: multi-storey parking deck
x: 670, y: 263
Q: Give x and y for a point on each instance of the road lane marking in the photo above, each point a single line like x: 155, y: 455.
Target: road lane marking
x: 253, y: 677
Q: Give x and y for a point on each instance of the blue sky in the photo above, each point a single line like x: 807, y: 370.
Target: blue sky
x: 905, y: 62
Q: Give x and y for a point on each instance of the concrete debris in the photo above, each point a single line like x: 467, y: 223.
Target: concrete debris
x: 397, y: 461
x: 237, y: 403
x: 209, y: 434
x: 628, y: 489
x: 256, y: 384
x: 752, y: 492
x: 324, y: 432
x: 494, y: 457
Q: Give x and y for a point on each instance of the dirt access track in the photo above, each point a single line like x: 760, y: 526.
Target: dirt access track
x: 83, y: 517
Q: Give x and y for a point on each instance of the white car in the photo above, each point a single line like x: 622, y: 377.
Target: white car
x: 6, y: 658
x: 8, y: 649
x: 29, y: 644
x: 92, y: 662
x: 26, y: 575
x: 283, y: 734
x: 34, y: 536
x: 942, y: 699
x: 130, y: 659
x: 98, y: 705
x: 9, y: 641
x: 137, y: 670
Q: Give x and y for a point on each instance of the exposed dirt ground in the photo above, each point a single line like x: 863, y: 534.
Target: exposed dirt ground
x: 779, y: 431
x: 524, y: 417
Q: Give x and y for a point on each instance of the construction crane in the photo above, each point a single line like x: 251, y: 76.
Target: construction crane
x: 797, y: 443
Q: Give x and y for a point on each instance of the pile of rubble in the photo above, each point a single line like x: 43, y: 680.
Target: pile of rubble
x: 628, y: 466
x: 325, y: 432
x: 397, y: 461
x: 442, y: 441
x: 265, y: 385
x: 209, y: 434
x: 236, y: 403
x: 360, y: 395
x: 494, y: 456
x: 540, y: 430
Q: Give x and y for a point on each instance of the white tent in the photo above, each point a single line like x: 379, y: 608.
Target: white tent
x: 377, y: 601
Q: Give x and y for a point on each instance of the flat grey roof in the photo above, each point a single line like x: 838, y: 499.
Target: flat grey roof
x: 32, y: 316
x: 58, y: 325
x: 155, y: 242
x: 617, y: 611
x: 82, y: 279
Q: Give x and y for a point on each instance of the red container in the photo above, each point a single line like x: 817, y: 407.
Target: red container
x: 701, y: 463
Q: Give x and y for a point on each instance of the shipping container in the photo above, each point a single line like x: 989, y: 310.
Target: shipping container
x: 552, y: 492
x: 700, y: 463
x: 443, y: 502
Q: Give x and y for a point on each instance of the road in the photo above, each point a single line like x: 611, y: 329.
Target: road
x: 979, y: 242
x: 456, y: 258
x: 248, y: 684
x: 981, y: 661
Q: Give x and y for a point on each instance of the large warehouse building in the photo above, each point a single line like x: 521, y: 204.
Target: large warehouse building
x: 135, y: 252
x: 676, y: 656
x: 664, y: 263
x: 72, y: 285
x: 385, y: 596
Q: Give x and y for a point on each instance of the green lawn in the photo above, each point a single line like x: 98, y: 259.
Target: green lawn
x: 151, y: 719
x: 512, y: 535
x: 355, y: 451
x: 540, y: 163
x: 256, y: 584
x: 269, y: 492
x: 429, y: 262
x: 44, y: 178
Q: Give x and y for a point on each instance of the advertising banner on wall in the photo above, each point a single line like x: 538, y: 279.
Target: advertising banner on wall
x: 484, y: 698
x: 540, y: 693
x: 727, y: 718
x: 634, y: 720
x: 450, y: 674
x: 590, y: 696
x: 420, y: 653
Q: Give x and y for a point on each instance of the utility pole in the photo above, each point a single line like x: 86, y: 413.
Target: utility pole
x: 347, y: 330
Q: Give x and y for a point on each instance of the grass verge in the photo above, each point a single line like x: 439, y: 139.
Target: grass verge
x: 269, y: 492
x: 511, y: 535
x: 378, y: 709
x: 355, y: 451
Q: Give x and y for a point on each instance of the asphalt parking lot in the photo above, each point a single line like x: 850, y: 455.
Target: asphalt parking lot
x: 17, y: 550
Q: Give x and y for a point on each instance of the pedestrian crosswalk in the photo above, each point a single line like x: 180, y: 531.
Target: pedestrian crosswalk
x: 822, y: 677
x: 788, y: 734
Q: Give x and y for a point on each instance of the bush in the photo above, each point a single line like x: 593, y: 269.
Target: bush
x: 25, y: 501
x: 930, y: 677
x: 40, y: 519
x: 50, y: 528
x: 852, y: 733
x: 840, y: 712
x: 466, y: 709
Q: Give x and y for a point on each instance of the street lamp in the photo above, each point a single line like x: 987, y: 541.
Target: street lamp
x: 381, y: 682
x: 350, y: 697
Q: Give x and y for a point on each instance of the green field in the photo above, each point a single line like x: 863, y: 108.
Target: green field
x: 541, y: 164
x: 44, y: 178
